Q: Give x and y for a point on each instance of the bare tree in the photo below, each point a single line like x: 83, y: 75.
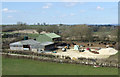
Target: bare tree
x: 52, y: 28
x: 39, y: 30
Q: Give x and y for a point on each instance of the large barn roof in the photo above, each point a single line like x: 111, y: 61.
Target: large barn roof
x: 52, y: 35
x: 47, y: 37
x: 47, y: 43
x: 25, y: 42
x: 43, y: 38
x: 31, y: 42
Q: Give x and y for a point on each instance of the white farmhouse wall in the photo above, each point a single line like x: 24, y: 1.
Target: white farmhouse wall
x: 34, y: 50
x: 16, y: 48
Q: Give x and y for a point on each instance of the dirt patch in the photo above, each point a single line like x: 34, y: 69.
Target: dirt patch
x: 103, y: 53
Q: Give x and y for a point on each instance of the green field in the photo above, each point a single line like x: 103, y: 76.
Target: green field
x: 33, y: 35
x: 13, y: 66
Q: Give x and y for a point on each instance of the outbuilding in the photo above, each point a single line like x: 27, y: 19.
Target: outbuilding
x: 51, y: 37
x: 31, y: 45
x: 47, y: 46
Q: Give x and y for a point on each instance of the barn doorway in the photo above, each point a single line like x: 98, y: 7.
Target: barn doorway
x: 26, y: 47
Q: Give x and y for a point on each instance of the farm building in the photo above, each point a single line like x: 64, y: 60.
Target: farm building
x: 51, y: 37
x: 32, y: 45
x: 46, y: 46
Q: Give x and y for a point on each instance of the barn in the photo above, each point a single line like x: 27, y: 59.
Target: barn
x: 51, y: 37
x: 46, y: 46
x: 31, y: 45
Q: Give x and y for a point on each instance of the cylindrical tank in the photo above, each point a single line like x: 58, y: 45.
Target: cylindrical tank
x: 25, y: 37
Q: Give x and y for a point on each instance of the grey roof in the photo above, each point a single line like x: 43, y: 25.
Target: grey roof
x: 46, y: 43
x: 36, y: 46
x: 32, y: 43
x: 25, y: 42
x: 16, y: 43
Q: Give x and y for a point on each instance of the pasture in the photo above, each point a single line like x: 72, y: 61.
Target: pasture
x: 12, y: 66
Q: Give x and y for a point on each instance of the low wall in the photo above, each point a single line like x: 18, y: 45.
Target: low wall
x: 52, y: 58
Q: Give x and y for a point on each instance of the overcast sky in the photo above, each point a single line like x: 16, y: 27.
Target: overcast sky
x: 60, y: 12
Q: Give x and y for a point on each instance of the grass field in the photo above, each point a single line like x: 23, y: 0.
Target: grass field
x: 13, y: 66
x: 33, y: 35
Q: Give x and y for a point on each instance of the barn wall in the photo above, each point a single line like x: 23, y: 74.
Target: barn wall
x: 26, y: 49
x: 34, y: 50
x: 16, y: 48
x: 49, y: 47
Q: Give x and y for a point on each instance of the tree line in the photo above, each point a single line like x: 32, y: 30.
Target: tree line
x: 72, y: 32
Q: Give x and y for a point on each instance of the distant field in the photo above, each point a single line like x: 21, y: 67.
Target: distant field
x: 30, y: 67
x: 8, y: 32
x: 98, y: 33
x: 33, y: 35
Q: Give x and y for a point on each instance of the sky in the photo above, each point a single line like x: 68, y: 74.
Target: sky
x: 60, y: 12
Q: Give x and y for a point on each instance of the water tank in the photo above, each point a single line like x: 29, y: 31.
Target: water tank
x: 25, y: 37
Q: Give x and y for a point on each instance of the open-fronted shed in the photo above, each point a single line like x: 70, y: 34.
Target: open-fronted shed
x: 31, y: 45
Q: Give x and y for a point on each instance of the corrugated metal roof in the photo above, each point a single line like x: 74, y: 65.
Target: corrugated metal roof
x: 36, y: 46
x: 25, y: 42
x: 52, y: 35
x: 47, y: 43
x: 16, y: 43
x: 30, y: 42
x: 43, y: 38
x: 47, y: 37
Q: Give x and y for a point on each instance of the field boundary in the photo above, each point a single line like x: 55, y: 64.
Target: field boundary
x: 59, y: 60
